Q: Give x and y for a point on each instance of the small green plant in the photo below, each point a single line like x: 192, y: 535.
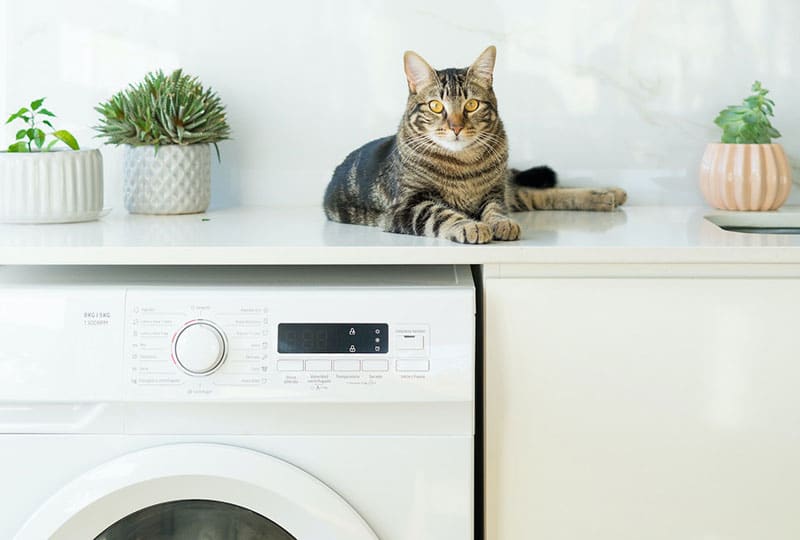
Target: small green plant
x: 164, y: 109
x: 33, y: 137
x: 749, y: 123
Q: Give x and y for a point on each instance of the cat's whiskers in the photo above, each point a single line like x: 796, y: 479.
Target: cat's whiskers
x: 492, y: 137
x: 489, y: 142
x: 418, y: 148
x: 488, y: 148
x: 428, y: 147
x: 419, y: 144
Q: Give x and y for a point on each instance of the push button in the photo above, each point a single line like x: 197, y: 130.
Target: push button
x: 413, y: 365
x: 318, y: 365
x: 412, y: 341
x: 290, y: 365
x: 375, y: 365
x: 346, y: 365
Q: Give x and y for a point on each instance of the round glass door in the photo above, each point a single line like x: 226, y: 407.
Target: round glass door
x: 176, y: 492
x: 195, y: 519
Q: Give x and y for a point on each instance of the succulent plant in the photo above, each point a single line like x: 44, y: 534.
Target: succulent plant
x: 164, y: 109
x: 749, y: 122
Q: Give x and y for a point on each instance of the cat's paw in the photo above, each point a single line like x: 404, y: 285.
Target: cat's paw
x: 600, y: 200
x: 605, y: 200
x: 620, y: 196
x: 470, y: 232
x: 505, y: 229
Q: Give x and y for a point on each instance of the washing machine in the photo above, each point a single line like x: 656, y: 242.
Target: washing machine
x: 237, y: 403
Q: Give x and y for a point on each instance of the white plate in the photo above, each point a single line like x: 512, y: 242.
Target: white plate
x: 76, y: 218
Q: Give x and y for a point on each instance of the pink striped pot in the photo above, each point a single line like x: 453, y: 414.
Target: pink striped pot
x: 745, y: 176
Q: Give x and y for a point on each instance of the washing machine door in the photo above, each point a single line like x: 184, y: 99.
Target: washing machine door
x: 206, y: 491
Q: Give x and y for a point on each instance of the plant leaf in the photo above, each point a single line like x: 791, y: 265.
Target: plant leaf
x: 752, y: 102
x: 47, y: 123
x: 21, y: 134
x: 66, y: 137
x: 751, y: 117
x: 20, y: 146
x: 17, y: 114
x: 51, y: 144
x: 46, y: 112
x: 35, y: 104
x: 38, y: 137
x: 727, y: 116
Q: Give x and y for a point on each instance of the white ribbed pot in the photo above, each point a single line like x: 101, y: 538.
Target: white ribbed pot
x: 745, y: 176
x: 174, y: 180
x: 51, y: 187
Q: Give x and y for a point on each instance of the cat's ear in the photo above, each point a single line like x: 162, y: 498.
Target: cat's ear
x: 483, y: 68
x: 418, y: 73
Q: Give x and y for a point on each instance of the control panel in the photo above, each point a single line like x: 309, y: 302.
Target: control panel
x: 279, y: 344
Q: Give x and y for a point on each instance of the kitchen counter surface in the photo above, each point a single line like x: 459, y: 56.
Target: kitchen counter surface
x: 289, y: 236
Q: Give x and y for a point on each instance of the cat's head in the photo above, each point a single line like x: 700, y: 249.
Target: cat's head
x: 456, y: 109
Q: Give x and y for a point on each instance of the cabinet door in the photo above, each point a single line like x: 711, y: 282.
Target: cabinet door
x: 642, y: 409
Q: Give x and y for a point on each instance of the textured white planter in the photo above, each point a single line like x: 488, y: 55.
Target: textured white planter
x: 174, y: 180
x: 51, y: 187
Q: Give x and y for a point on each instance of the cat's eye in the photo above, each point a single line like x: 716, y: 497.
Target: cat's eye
x: 471, y: 105
x: 436, y: 106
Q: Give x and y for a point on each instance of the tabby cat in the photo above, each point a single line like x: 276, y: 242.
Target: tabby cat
x: 445, y: 172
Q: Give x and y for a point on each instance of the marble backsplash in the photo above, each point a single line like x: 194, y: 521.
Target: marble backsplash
x: 608, y: 92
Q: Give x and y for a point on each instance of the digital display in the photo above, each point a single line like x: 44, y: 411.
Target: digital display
x: 330, y: 338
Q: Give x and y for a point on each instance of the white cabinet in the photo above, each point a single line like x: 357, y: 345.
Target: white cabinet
x: 642, y: 409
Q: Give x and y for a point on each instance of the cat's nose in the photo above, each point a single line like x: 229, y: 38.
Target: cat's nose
x: 456, y: 123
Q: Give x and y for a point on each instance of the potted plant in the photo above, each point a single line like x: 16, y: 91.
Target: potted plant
x: 167, y: 124
x: 746, y: 171
x: 42, y: 183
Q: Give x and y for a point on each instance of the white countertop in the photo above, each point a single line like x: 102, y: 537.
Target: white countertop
x: 284, y: 236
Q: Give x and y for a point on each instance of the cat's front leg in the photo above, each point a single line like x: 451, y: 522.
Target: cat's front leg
x: 503, y: 227
x: 434, y: 218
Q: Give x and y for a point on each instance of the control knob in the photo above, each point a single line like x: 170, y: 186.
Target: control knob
x: 199, y: 347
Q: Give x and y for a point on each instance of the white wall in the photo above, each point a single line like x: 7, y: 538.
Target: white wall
x: 606, y: 91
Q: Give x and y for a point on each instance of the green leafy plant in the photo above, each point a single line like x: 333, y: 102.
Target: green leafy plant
x: 164, y: 109
x: 33, y: 137
x: 749, y: 123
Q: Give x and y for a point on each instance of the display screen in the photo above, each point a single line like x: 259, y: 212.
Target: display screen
x: 321, y: 338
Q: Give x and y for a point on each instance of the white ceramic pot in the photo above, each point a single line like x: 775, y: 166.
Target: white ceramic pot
x: 174, y: 180
x: 51, y: 187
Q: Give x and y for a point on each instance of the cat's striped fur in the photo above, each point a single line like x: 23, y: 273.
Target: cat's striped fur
x: 445, y: 172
